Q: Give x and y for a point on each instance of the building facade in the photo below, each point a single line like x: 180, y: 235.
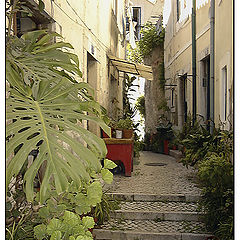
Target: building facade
x: 96, y: 31
x: 214, y: 92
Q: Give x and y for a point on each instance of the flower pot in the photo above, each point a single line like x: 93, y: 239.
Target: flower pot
x: 118, y: 133
x: 127, y: 133
x: 166, y: 149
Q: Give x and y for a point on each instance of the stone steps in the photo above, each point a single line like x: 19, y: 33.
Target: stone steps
x: 138, y: 197
x: 140, y: 235
x: 151, y: 216
x: 163, y: 216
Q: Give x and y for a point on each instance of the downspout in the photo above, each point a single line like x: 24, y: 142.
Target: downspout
x: 212, y: 26
x: 194, y: 97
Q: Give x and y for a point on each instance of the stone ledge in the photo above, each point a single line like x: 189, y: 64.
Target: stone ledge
x: 132, y: 235
x: 155, y: 197
x: 163, y: 216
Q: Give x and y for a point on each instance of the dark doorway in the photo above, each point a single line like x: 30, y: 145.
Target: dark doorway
x: 206, y: 84
x: 185, y: 97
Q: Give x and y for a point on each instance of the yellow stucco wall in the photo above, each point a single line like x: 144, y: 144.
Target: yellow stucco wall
x: 224, y: 54
x: 95, y: 28
x: 149, y: 9
x: 178, y: 54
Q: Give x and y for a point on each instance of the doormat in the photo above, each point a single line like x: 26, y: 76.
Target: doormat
x: 155, y: 164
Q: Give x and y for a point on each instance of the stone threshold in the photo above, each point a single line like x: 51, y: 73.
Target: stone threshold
x: 134, y: 235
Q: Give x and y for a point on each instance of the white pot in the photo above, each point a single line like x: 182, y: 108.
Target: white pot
x: 118, y: 133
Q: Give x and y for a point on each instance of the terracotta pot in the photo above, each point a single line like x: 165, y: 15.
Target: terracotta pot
x: 127, y: 133
x: 166, y: 149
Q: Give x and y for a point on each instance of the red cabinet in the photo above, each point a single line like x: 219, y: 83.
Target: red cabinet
x: 121, y: 150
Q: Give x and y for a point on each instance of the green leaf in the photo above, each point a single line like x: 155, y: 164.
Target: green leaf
x: 8, y: 206
x: 83, y: 206
x: 44, y: 212
x: 107, y: 176
x: 88, y: 222
x: 94, y: 193
x: 57, y: 235
x: 54, y: 225
x: 44, y: 96
x: 40, y: 231
x: 41, y: 5
x: 108, y: 164
x: 72, y: 238
x: 70, y: 217
x: 84, y: 238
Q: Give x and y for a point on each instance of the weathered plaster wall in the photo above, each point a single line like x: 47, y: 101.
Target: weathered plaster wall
x: 178, y: 60
x: 154, y: 95
x: 95, y: 30
x: 178, y: 57
x: 149, y: 9
x: 224, y: 57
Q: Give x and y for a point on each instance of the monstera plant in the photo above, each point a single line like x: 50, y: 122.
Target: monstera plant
x: 46, y: 110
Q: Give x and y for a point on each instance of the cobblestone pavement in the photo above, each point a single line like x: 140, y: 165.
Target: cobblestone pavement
x: 172, y: 178
x: 160, y: 206
x: 155, y: 226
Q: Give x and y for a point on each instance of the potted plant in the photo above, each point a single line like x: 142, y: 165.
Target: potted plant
x: 126, y: 126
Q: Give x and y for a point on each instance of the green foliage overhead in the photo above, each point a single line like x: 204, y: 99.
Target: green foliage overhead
x: 140, y: 105
x: 47, y: 106
x: 134, y: 55
x: 150, y: 39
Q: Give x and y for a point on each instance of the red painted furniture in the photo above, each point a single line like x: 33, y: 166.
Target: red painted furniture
x: 121, y: 150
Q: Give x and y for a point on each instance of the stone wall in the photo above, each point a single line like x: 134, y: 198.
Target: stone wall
x: 154, y: 94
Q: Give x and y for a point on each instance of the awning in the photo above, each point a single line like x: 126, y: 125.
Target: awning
x: 133, y: 68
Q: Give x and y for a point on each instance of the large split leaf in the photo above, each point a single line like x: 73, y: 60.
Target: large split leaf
x: 47, y: 107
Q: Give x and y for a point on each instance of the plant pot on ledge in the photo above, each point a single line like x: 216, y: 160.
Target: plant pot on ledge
x: 127, y: 133
x: 119, y: 133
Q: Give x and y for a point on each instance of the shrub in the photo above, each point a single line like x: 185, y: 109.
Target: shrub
x: 216, y: 177
x: 150, y: 39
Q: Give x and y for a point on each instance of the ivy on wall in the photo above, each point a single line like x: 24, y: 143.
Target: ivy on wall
x: 150, y: 39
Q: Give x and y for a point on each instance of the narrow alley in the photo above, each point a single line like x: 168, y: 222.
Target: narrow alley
x: 119, y: 120
x: 159, y: 201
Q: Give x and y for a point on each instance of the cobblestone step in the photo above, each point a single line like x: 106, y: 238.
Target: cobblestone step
x: 118, y: 229
x: 155, y: 197
x: 153, y: 215
x: 160, y: 206
x: 169, y: 211
x: 137, y: 235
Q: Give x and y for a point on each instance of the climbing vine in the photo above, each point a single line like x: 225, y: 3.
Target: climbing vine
x: 162, y: 80
x: 140, y: 105
x: 150, y: 39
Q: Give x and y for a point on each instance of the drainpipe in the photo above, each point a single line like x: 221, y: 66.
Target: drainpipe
x: 194, y: 97
x: 212, y: 26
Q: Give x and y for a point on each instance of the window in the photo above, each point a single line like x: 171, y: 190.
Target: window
x: 38, y: 20
x: 178, y: 9
x: 172, y: 97
x: 137, y: 20
x: 115, y: 6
